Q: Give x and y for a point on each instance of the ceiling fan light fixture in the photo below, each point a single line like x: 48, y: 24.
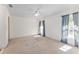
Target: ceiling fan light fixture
x: 37, y: 14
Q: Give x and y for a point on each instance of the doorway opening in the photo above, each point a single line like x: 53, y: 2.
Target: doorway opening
x: 42, y: 28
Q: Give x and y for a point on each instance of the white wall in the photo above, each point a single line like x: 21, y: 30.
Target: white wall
x: 53, y: 27
x: 3, y: 26
x: 23, y: 26
x: 53, y: 23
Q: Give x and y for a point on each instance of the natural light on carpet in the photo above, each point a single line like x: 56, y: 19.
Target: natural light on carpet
x: 36, y: 36
x: 65, y: 48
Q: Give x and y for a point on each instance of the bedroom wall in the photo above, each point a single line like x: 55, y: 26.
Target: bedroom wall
x: 53, y: 27
x: 3, y: 26
x: 23, y: 26
x: 54, y: 21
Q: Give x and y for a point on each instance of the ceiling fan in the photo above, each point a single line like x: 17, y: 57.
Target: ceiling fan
x: 37, y: 12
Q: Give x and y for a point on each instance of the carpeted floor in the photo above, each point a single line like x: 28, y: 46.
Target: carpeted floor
x: 0, y: 49
x: 37, y: 45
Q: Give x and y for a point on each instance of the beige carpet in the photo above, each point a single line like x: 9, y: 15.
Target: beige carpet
x: 36, y: 45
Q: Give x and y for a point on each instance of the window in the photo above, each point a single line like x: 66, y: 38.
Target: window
x: 70, y: 29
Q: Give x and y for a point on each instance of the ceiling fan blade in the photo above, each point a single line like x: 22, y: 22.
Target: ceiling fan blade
x: 10, y: 5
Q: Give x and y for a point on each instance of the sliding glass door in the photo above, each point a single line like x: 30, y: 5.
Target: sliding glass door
x: 71, y: 40
x: 70, y: 29
x: 65, y: 21
x: 76, y: 28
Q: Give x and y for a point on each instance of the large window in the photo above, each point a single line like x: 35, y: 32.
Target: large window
x: 65, y: 21
x: 70, y: 29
